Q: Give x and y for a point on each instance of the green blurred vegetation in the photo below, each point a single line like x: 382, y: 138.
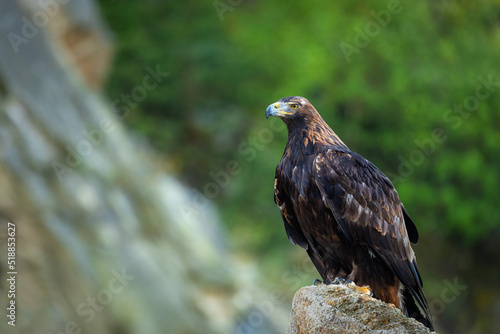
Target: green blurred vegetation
x: 386, y: 103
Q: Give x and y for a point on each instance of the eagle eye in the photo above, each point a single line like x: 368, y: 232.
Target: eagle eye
x: 294, y: 105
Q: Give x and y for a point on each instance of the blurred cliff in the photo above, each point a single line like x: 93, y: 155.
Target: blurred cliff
x: 106, y: 242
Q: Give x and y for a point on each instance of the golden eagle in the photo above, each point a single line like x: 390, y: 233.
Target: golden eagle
x: 345, y: 212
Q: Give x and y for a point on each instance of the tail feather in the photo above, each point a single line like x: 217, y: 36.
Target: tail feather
x: 411, y: 295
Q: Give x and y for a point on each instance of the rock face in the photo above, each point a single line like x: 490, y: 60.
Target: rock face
x: 106, y: 241
x: 346, y: 309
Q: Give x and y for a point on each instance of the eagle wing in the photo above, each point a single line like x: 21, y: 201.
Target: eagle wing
x: 364, y: 203
x: 286, y: 200
x: 367, y: 208
x: 369, y: 212
x: 292, y: 228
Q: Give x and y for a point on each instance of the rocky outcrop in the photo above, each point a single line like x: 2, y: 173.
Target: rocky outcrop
x: 346, y: 309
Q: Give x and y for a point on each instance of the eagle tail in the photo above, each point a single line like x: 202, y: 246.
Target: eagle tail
x: 410, y: 295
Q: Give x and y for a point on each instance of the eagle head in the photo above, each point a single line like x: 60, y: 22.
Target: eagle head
x: 299, y: 114
x: 290, y: 108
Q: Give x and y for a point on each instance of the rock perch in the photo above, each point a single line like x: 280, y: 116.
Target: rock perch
x: 346, y: 309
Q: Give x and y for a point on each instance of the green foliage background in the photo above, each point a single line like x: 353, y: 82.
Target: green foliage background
x: 403, y: 83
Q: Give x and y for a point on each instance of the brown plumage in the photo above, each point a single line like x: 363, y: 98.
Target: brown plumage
x: 345, y: 212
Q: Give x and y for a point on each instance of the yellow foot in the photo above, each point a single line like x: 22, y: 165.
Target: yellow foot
x: 360, y: 289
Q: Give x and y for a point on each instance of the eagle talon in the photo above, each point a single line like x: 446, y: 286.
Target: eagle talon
x: 341, y: 281
x: 316, y: 282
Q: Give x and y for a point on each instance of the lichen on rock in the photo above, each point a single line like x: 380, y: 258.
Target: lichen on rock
x: 346, y: 309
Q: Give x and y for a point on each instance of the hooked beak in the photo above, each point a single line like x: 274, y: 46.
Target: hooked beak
x: 275, y: 109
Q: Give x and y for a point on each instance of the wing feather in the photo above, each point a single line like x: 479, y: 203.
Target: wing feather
x: 292, y: 228
x: 367, y: 208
